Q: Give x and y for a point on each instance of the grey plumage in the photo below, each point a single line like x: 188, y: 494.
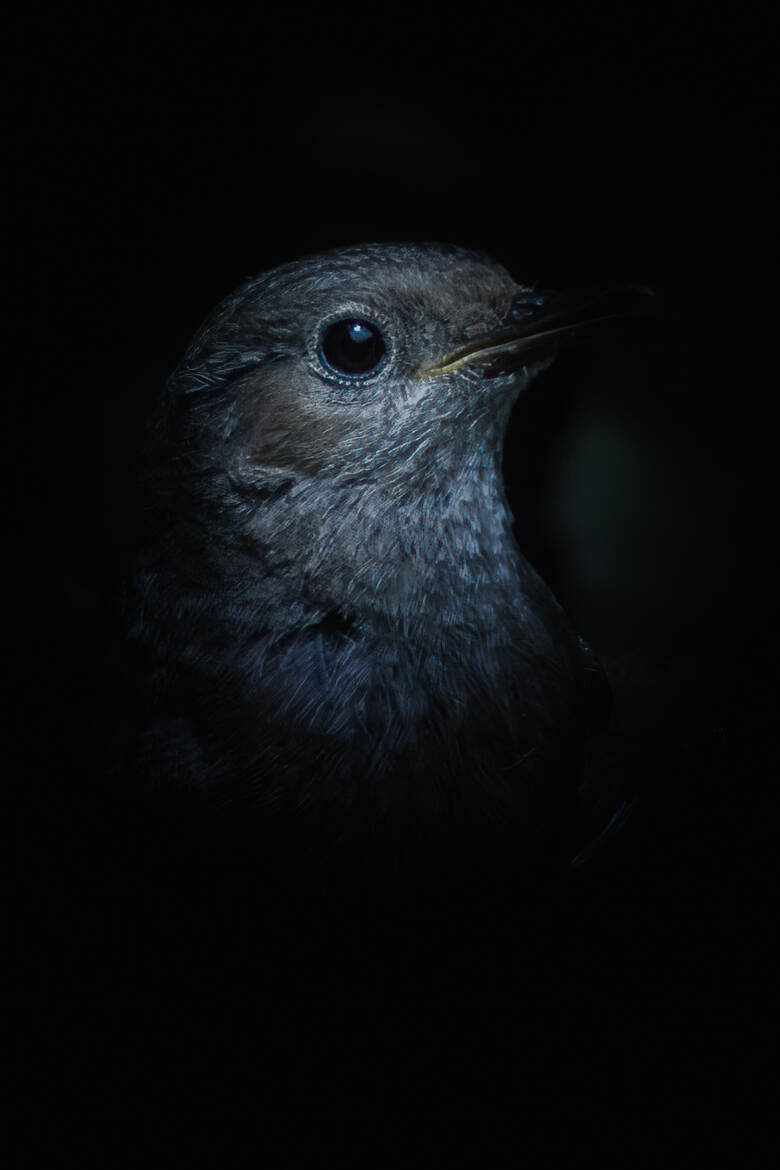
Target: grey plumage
x: 332, y: 617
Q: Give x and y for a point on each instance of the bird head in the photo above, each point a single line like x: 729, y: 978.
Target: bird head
x: 378, y: 378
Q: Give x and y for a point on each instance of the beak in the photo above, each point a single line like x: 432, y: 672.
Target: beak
x: 539, y: 324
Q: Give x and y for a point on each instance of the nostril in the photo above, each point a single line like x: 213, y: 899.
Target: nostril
x: 527, y: 301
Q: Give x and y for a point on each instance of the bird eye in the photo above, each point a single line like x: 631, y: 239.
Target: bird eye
x: 352, y: 346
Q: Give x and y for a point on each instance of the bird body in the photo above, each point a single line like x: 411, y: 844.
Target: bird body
x: 332, y: 617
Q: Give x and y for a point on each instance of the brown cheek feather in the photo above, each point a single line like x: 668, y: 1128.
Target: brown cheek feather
x: 287, y: 429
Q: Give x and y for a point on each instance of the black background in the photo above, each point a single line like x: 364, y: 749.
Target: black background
x: 162, y: 163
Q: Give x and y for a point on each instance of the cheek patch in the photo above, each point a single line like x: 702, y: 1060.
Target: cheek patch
x: 291, y: 425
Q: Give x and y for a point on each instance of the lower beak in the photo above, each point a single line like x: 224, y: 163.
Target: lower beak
x: 538, y: 325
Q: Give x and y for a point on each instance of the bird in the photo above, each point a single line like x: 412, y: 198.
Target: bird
x: 331, y: 627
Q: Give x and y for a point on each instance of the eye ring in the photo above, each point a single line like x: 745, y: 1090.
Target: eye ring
x: 352, y: 346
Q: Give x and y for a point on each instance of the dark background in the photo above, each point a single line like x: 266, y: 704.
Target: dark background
x: 162, y: 164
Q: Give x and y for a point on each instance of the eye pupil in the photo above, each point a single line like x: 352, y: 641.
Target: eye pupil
x: 352, y: 346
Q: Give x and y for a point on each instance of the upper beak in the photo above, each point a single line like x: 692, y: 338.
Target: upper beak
x: 538, y: 324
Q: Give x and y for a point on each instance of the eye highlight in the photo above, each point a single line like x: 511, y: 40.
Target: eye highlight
x: 352, y: 346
